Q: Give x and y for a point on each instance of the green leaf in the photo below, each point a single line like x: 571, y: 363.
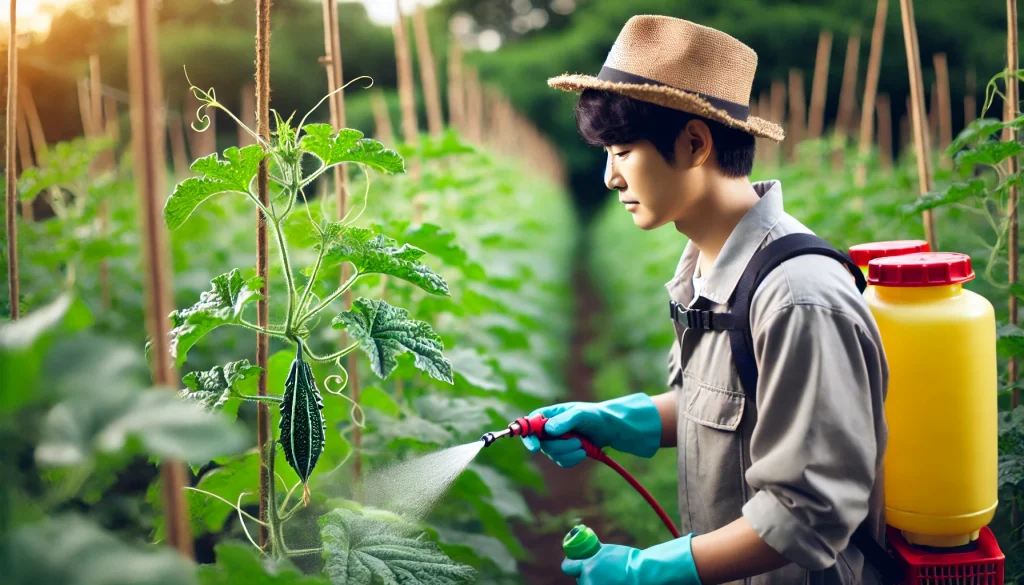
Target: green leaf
x: 374, y: 397
x: 233, y: 173
x: 23, y: 344
x: 979, y: 129
x: 1017, y: 290
x: 1011, y: 470
x: 221, y: 305
x: 163, y: 424
x: 484, y: 547
x: 71, y: 550
x: 989, y: 153
x: 241, y: 564
x: 67, y: 164
x: 347, y: 145
x: 302, y: 427
x: 472, y: 366
x: 438, y: 242
x: 372, y: 253
x: 1010, y: 341
x: 213, y: 388
x: 363, y: 551
x: 384, y: 331
x: 953, y: 193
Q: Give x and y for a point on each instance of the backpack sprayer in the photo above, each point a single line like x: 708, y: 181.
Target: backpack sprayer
x: 534, y: 427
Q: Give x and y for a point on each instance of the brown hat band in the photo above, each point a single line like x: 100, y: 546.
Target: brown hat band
x: 737, y: 111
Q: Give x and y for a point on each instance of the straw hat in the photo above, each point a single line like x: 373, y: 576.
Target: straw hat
x: 682, y: 65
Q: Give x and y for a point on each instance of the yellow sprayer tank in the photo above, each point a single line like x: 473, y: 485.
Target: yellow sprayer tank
x: 863, y: 254
x: 940, y: 344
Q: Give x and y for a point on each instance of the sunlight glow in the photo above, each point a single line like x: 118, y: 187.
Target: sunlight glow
x: 34, y: 15
x: 382, y: 12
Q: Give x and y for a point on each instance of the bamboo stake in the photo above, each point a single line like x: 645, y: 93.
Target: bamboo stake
x: 945, y: 113
x: 921, y: 140
x: 970, y: 101
x: 262, y: 249
x: 105, y: 162
x: 867, y: 117
x: 84, y: 109
x: 1012, y: 97
x: 428, y: 74
x: 178, y: 154
x: 333, y: 62
x: 764, y: 110
x: 148, y: 147
x: 406, y: 92
x: 456, y: 88
x: 248, y: 115
x: 846, y: 98
x: 24, y: 152
x: 797, y: 111
x: 474, y: 106
x: 884, y: 130
x: 778, y: 110
x: 819, y: 88
x: 9, y: 169
x: 933, y: 115
x: 35, y: 125
x: 381, y: 119
x: 113, y: 121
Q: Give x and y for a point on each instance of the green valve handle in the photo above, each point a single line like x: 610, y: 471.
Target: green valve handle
x: 580, y: 543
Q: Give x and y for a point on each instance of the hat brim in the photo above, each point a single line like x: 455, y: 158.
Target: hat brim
x: 670, y: 97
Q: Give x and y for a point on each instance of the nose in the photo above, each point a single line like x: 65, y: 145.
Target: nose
x: 612, y: 178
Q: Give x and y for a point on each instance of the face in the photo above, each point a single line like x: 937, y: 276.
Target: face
x: 652, y: 190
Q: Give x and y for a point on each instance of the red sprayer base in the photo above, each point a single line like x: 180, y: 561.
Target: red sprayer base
x: 981, y: 566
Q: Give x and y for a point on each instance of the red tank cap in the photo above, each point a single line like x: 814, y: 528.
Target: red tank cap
x: 921, y: 269
x: 863, y: 254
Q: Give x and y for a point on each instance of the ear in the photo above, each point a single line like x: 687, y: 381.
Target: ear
x: 694, y: 143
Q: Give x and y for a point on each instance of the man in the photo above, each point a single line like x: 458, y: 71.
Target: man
x: 771, y: 490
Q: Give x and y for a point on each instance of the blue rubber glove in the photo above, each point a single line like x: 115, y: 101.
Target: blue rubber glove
x: 667, y: 563
x: 630, y: 424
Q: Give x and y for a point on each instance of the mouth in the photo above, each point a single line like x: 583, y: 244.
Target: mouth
x: 628, y: 202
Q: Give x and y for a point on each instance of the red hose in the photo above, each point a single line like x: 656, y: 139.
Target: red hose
x: 534, y: 426
x: 604, y: 458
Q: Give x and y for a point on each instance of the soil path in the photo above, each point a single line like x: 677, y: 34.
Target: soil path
x: 566, y: 488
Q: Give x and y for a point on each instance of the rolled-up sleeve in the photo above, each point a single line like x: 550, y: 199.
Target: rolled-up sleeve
x: 814, y: 450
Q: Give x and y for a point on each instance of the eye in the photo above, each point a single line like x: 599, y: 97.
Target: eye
x: 622, y: 154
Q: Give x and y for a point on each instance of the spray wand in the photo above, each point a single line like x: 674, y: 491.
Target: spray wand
x: 534, y: 427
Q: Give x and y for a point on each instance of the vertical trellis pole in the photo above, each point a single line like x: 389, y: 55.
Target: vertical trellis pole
x: 797, y: 111
x: 920, y: 129
x: 381, y: 119
x: 847, y: 94
x: 148, y: 147
x: 884, y: 130
x: 428, y: 73
x: 9, y: 173
x: 25, y: 154
x: 819, y: 87
x: 104, y: 163
x: 456, y: 88
x: 178, y: 155
x: 262, y: 249
x: 867, y: 117
x: 1013, y: 163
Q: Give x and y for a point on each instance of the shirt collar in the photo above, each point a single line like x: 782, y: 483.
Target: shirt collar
x: 744, y: 241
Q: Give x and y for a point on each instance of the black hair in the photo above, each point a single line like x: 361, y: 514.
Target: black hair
x: 604, y: 118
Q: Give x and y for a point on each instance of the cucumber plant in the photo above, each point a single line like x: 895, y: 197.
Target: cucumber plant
x: 376, y: 327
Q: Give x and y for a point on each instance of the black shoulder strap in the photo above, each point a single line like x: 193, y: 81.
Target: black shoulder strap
x: 763, y: 262
x: 742, y: 342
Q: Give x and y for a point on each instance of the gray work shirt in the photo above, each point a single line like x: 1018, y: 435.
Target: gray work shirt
x: 804, y: 464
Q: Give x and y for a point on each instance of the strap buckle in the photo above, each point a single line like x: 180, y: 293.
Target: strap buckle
x: 690, y: 318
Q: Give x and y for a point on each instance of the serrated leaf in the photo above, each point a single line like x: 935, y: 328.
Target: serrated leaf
x: 221, y: 305
x: 348, y: 145
x: 212, y: 389
x: 362, y: 551
x: 979, y: 129
x: 233, y: 173
x: 384, y: 331
x: 372, y: 253
x: 71, y: 550
x: 953, y: 193
x: 989, y: 153
x: 239, y: 564
x: 302, y: 427
x: 440, y: 243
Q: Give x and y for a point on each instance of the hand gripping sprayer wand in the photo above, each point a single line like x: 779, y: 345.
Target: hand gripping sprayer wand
x: 534, y: 427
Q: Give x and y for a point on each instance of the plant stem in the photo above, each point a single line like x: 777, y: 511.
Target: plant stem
x: 258, y: 329
x: 252, y: 398
x: 327, y: 301
x: 333, y: 356
x: 312, y: 278
x: 274, y: 519
x: 305, y: 551
x: 283, y: 249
